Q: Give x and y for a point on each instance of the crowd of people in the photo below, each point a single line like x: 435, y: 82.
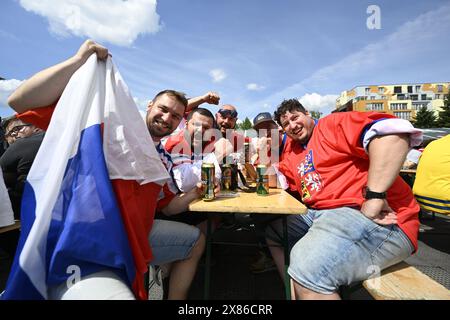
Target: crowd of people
x: 343, y: 167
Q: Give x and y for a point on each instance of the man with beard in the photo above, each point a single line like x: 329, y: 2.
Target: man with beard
x: 171, y: 242
x: 189, y: 149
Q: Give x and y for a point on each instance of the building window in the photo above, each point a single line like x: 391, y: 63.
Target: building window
x: 417, y: 89
x: 380, y: 90
x: 414, y: 97
x: 440, y: 87
x: 418, y: 106
x: 367, y: 91
x: 423, y: 97
x: 397, y: 89
x: 383, y: 97
x: 372, y: 97
x: 374, y: 107
x: 438, y: 96
x: 403, y: 115
x: 399, y: 106
x: 401, y: 97
x: 410, y: 89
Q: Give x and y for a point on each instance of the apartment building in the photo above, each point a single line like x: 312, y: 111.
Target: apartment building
x: 401, y: 100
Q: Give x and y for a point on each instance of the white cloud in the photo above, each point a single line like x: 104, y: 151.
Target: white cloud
x: 315, y: 101
x: 6, y: 88
x: 255, y: 87
x: 217, y: 75
x: 115, y: 21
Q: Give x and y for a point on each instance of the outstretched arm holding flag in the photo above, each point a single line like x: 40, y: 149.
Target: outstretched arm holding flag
x: 45, y: 87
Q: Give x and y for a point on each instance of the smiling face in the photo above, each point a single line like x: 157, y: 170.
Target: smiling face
x: 226, y: 121
x: 298, y: 125
x: 163, y: 116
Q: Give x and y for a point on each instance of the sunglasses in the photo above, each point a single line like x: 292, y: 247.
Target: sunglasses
x: 16, y: 129
x: 228, y: 113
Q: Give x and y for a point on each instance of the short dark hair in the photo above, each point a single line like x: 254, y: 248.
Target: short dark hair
x: 178, y: 95
x: 288, y: 105
x: 204, y: 112
x: 6, y: 121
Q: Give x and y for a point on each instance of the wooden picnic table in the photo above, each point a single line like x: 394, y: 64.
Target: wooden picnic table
x: 277, y: 202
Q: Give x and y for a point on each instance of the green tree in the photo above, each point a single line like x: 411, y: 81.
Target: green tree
x: 424, y: 118
x: 245, y: 125
x: 444, y: 115
x: 315, y: 114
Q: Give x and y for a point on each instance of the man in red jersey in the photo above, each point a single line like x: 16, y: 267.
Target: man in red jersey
x: 361, y: 215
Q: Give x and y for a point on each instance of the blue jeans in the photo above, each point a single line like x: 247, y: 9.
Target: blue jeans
x: 335, y: 247
x: 172, y: 241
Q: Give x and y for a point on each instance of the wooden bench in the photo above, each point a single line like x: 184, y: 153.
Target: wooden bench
x: 399, y: 282
x: 404, y: 282
x: 12, y: 227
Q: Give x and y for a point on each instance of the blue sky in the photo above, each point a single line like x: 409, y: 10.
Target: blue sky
x: 254, y: 53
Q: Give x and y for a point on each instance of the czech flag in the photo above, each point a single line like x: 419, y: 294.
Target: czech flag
x: 90, y: 197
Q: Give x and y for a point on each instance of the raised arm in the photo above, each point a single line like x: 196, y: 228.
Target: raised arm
x: 209, y: 97
x: 46, y: 86
x: 386, y: 155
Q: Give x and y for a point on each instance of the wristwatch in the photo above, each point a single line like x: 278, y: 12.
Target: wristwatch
x: 369, y: 194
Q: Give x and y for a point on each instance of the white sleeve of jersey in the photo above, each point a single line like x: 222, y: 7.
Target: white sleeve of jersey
x: 187, y: 175
x: 393, y: 126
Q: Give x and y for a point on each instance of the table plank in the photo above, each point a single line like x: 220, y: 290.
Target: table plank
x: 409, y: 171
x: 14, y: 226
x: 277, y: 202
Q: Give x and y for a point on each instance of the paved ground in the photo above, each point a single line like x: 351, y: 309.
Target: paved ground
x: 231, y: 278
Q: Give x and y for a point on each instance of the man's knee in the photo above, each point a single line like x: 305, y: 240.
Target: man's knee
x: 199, y: 246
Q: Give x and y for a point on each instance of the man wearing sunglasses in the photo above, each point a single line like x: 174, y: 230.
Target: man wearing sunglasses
x: 226, y: 118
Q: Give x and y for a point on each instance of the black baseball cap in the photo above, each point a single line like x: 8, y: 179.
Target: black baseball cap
x: 262, y: 117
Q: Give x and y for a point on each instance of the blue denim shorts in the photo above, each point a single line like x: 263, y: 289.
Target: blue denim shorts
x: 172, y: 241
x: 331, y: 248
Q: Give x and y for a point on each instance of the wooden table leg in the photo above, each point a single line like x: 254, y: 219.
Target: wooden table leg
x: 287, y: 283
x: 208, y: 259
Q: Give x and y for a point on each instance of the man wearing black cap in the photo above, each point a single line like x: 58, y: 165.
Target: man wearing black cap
x: 268, y: 131
x: 266, y: 145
